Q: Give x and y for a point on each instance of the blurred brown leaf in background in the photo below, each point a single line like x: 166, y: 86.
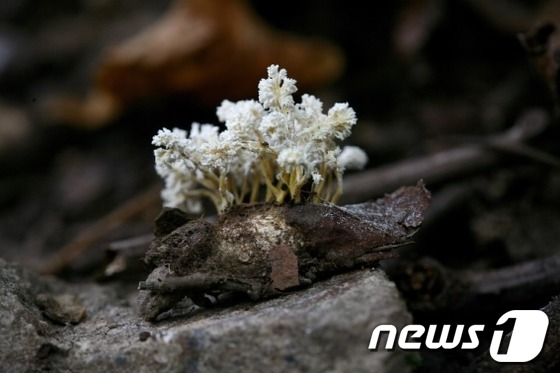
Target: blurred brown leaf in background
x: 203, y: 50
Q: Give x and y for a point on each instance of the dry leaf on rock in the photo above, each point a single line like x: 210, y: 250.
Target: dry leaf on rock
x: 62, y: 308
x: 265, y: 250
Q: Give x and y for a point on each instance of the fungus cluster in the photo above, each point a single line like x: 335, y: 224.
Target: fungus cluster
x: 273, y: 149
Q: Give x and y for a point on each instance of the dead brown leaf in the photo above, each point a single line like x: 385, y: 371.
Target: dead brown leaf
x: 206, y: 50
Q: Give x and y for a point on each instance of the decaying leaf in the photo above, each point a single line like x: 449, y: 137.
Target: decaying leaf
x: 204, y: 50
x: 62, y: 308
x: 265, y: 250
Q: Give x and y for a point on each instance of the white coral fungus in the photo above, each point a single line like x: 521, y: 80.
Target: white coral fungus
x: 274, y: 148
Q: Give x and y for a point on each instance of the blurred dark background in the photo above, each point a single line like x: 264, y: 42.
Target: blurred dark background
x: 422, y: 75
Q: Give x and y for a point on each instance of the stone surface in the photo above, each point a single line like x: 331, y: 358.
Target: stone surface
x: 323, y: 328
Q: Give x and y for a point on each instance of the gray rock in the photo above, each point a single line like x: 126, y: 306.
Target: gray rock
x: 324, y: 328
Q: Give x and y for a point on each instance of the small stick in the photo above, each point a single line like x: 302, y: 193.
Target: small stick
x: 196, y: 282
x: 431, y: 287
x: 444, y: 164
x: 95, y: 232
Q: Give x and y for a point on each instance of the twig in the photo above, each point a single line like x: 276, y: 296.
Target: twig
x: 196, y: 282
x: 124, y: 254
x: 444, y: 164
x: 94, y: 233
x: 131, y: 244
x: 429, y: 287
